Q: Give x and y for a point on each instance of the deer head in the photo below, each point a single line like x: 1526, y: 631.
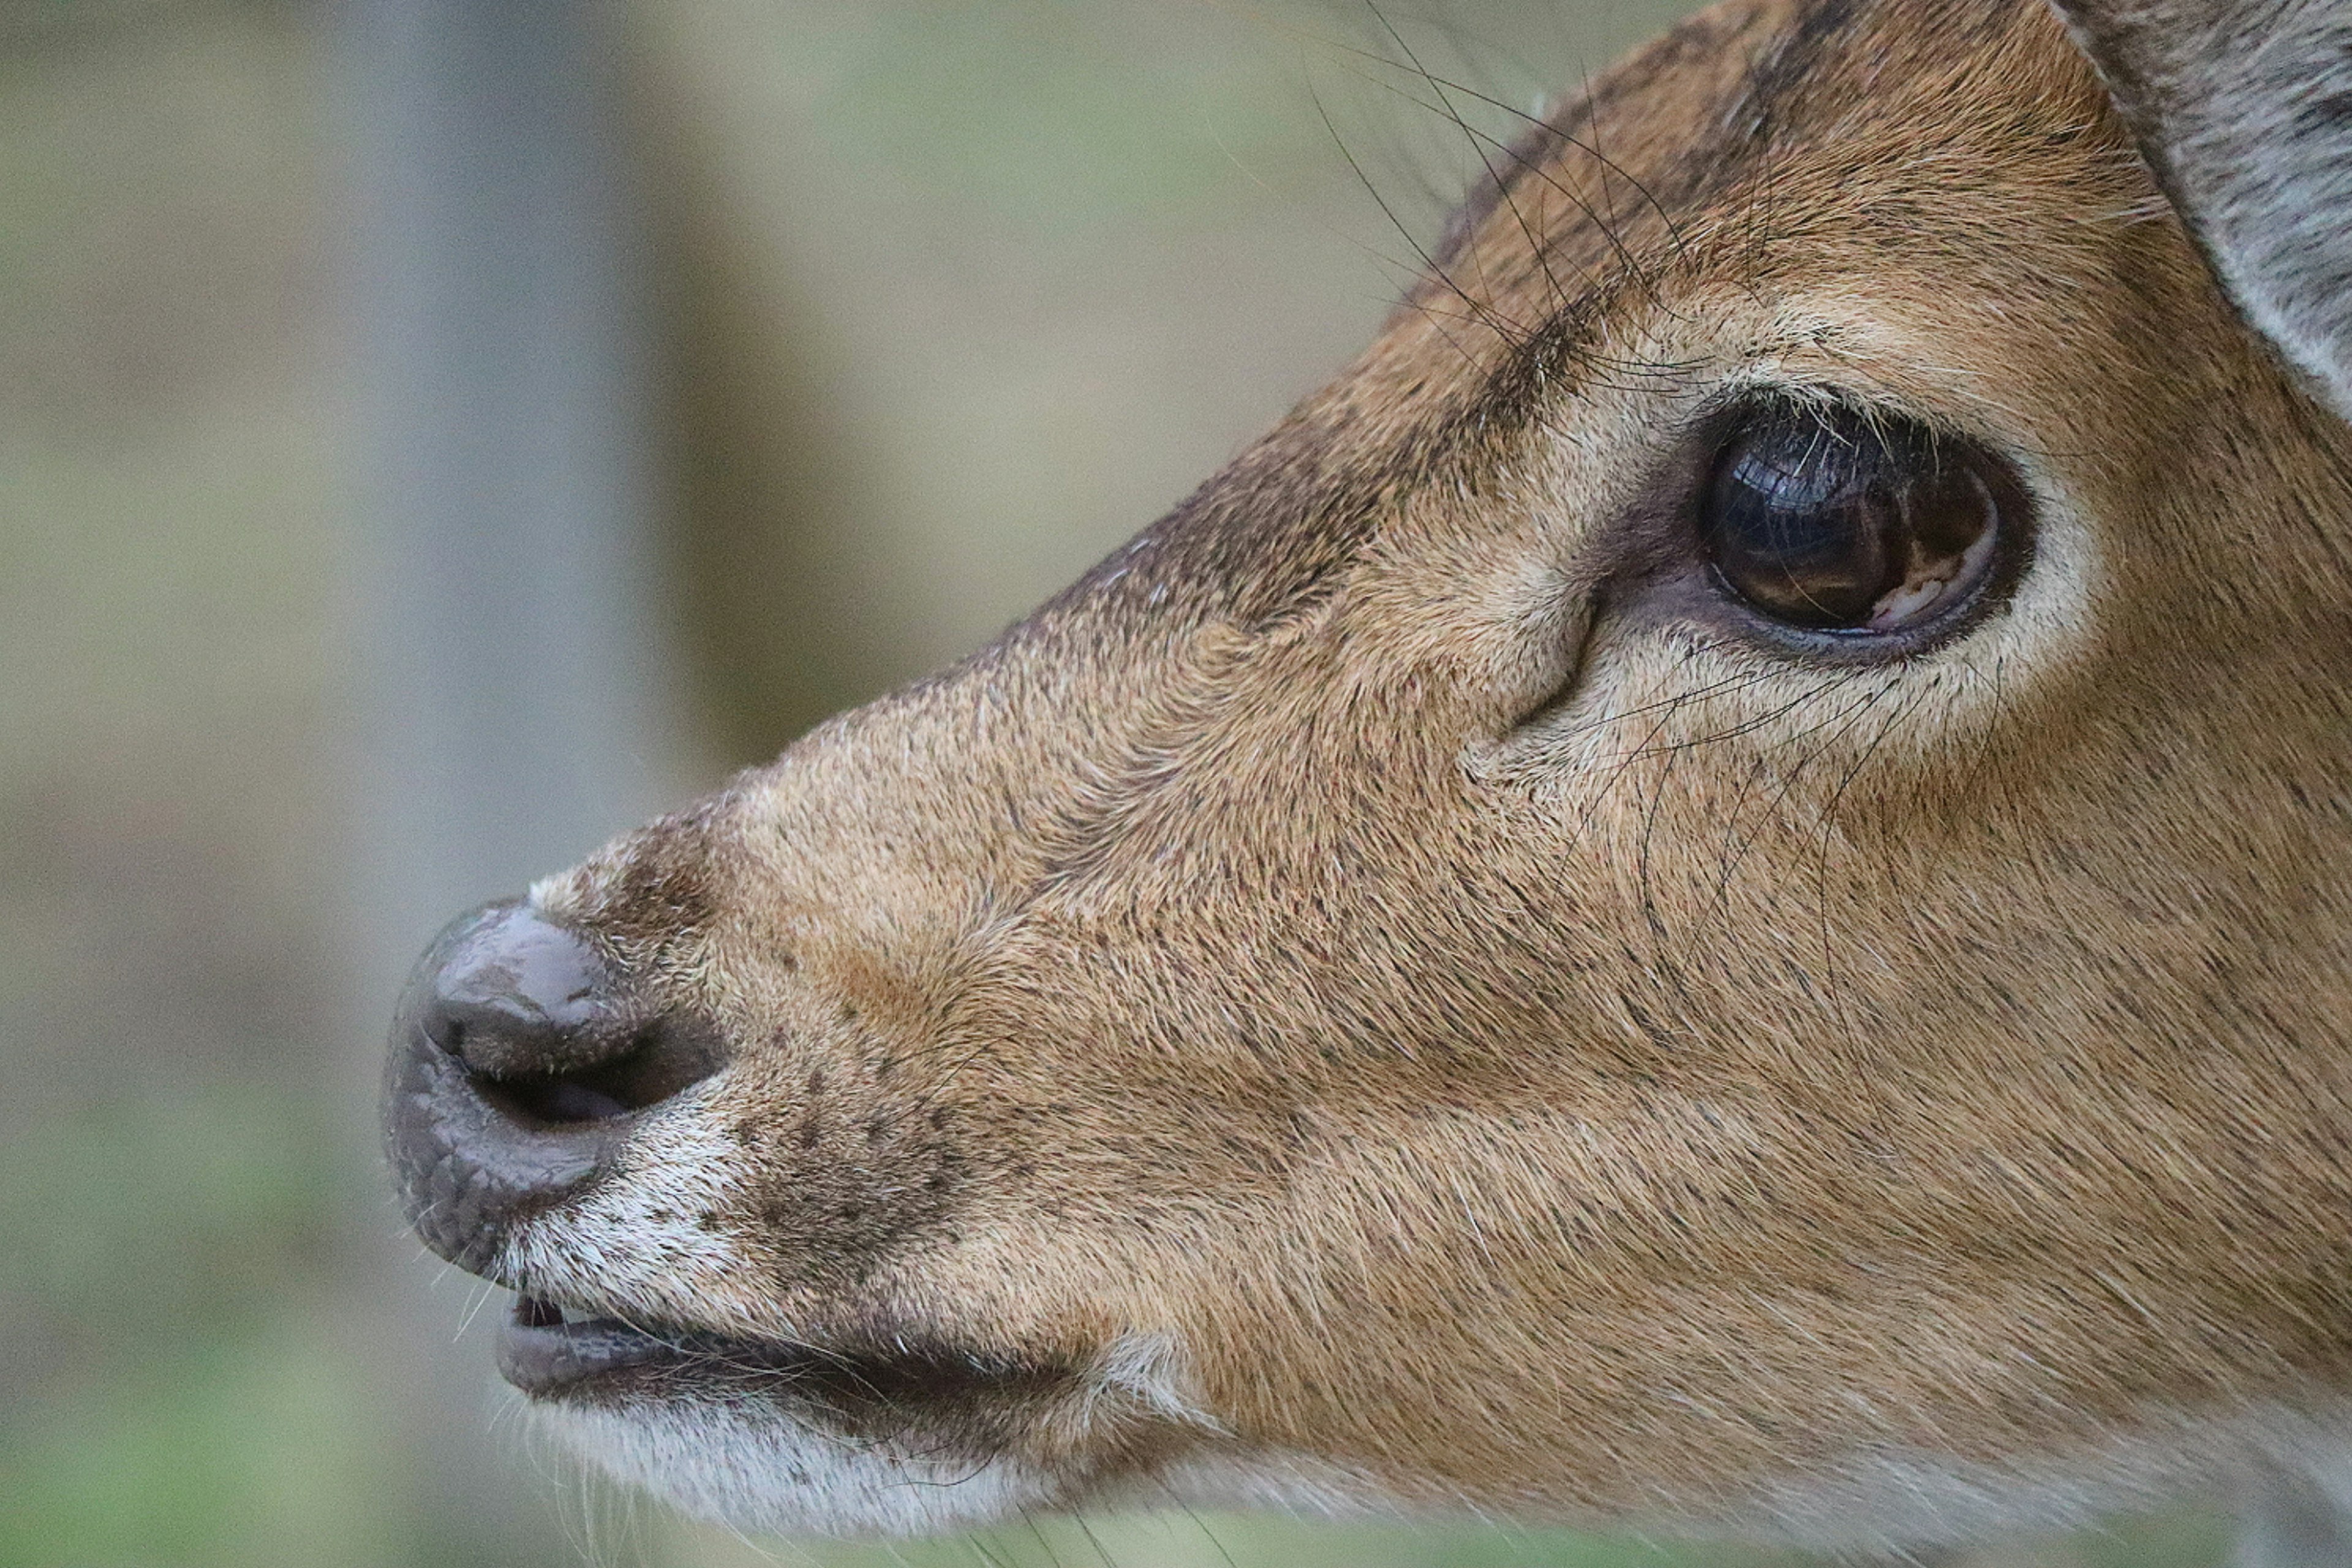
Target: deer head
x: 1713, y: 892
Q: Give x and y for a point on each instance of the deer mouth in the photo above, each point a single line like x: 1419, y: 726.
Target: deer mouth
x: 558, y: 1354
x: 548, y: 1352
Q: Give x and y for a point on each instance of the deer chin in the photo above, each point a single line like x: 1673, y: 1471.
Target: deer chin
x: 766, y: 1466
x: 891, y: 1433
x: 789, y: 1439
x: 779, y: 1435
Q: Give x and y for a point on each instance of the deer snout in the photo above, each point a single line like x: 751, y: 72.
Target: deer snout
x: 520, y: 1061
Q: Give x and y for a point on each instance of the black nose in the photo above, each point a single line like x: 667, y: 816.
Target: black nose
x: 518, y: 1060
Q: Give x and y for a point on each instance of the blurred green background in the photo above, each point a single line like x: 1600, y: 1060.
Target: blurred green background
x: 931, y: 303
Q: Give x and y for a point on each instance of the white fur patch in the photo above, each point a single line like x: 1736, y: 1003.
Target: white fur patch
x: 754, y: 1469
x: 2290, y: 1472
x: 1278, y: 1479
x: 1149, y: 1373
x: 1899, y: 1501
x: 636, y: 1243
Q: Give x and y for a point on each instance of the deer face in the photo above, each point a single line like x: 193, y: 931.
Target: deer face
x: 1713, y: 892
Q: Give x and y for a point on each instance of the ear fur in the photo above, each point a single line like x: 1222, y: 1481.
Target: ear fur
x: 2243, y: 109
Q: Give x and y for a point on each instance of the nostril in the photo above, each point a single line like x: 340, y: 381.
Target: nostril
x: 655, y: 1064
x: 531, y: 1014
x: 518, y: 1055
x: 550, y: 1102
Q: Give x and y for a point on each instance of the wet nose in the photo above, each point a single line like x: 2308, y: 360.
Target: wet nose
x: 518, y: 1060
x: 529, y: 1012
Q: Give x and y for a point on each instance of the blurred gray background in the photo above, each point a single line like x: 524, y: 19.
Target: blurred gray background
x: 435, y: 434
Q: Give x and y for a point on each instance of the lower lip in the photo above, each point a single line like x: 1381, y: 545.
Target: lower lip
x: 548, y: 1357
x: 543, y: 1355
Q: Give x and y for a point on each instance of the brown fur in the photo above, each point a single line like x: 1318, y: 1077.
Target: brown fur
x: 1526, y: 1043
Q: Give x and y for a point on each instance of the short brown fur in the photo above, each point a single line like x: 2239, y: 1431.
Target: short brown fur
x: 1526, y: 1047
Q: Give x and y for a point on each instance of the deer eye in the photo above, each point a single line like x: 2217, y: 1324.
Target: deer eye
x: 1821, y: 519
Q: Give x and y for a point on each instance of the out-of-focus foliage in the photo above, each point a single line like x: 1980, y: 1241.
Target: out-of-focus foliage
x: 167, y: 1268
x: 946, y: 298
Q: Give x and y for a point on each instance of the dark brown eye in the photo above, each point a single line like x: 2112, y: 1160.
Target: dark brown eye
x: 1822, y: 519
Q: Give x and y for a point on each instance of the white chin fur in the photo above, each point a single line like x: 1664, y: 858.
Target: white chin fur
x: 758, y: 1471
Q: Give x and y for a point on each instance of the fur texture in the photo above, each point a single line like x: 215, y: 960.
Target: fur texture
x: 1387, y: 994
x: 2244, y: 109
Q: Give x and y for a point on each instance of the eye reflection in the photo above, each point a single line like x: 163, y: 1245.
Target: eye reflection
x: 1823, y: 520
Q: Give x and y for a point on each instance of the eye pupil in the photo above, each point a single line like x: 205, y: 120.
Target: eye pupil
x: 1823, y: 520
